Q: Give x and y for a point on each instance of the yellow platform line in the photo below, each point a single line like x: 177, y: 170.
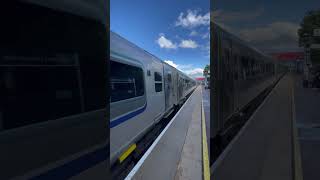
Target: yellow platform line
x: 298, y: 173
x: 127, y: 152
x: 205, y: 156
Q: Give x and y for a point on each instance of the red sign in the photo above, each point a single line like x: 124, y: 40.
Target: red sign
x: 289, y: 56
x: 200, y: 78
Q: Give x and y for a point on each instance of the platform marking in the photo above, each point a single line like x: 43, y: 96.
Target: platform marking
x: 127, y: 152
x: 144, y: 157
x: 298, y: 174
x: 205, y: 156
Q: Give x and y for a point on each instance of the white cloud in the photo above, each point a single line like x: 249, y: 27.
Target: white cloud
x: 279, y: 35
x: 188, y: 44
x: 171, y: 63
x: 207, y: 48
x: 224, y: 18
x: 183, y: 67
x: 192, y: 19
x: 206, y: 35
x: 220, y: 15
x: 188, y: 69
x: 166, y: 43
x: 193, y: 33
x: 271, y: 32
x: 193, y: 72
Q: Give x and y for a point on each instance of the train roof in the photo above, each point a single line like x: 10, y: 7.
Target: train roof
x: 244, y: 43
x: 126, y: 42
x: 94, y: 9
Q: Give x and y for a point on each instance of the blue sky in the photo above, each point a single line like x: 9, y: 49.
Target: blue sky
x: 176, y: 31
x: 269, y: 25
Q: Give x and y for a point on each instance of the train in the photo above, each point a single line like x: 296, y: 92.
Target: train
x: 144, y: 89
x: 240, y: 74
x: 52, y: 90
x: 311, y: 74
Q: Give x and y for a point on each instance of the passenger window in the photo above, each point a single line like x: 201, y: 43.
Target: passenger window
x: 169, y: 77
x: 158, y: 87
x: 158, y: 82
x: 157, y: 76
x: 126, y: 81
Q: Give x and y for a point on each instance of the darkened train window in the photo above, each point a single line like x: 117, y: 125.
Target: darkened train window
x: 158, y: 87
x: 38, y: 94
x: 126, y: 81
x: 157, y: 76
x: 158, y: 82
x: 46, y: 67
x: 169, y: 77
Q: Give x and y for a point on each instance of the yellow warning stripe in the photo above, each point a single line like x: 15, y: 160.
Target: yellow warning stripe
x: 298, y: 174
x: 205, y: 156
x: 127, y: 152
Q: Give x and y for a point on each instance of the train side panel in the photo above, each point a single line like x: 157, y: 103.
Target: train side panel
x: 155, y: 85
x: 170, y: 88
x: 242, y: 73
x: 135, y: 113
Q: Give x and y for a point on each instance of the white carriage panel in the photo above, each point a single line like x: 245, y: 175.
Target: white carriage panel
x: 156, y: 100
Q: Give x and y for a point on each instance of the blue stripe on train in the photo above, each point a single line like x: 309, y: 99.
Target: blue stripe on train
x: 76, y: 166
x: 127, y: 117
x: 87, y: 161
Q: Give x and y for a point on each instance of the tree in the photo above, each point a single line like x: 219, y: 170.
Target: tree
x: 310, y: 22
x: 206, y: 70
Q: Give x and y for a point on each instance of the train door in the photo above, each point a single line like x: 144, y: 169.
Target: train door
x: 157, y: 95
x: 168, y: 87
x: 175, y: 86
x: 180, y: 87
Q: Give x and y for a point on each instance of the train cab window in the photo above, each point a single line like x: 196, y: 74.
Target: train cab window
x: 46, y: 68
x: 126, y: 81
x: 158, y: 81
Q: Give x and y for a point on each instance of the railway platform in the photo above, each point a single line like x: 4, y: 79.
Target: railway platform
x: 180, y: 151
x: 307, y: 101
x: 267, y: 146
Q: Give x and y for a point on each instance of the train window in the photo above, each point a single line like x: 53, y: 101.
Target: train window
x: 157, y: 76
x: 126, y: 81
x: 169, y: 77
x: 46, y: 68
x: 158, y: 87
x: 158, y: 82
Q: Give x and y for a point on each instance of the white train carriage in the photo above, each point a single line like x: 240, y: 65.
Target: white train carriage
x: 143, y: 90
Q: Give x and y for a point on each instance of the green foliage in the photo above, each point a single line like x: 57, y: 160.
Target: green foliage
x: 310, y: 22
x: 206, y: 69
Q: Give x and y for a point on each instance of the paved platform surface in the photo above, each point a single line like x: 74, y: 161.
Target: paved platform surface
x: 177, y: 152
x: 206, y: 106
x: 262, y: 150
x: 307, y: 103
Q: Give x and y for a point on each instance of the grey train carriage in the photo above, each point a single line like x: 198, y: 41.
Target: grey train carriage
x: 144, y: 89
x: 241, y: 73
x: 52, y: 103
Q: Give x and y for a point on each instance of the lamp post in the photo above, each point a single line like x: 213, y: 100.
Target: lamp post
x: 306, y: 44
